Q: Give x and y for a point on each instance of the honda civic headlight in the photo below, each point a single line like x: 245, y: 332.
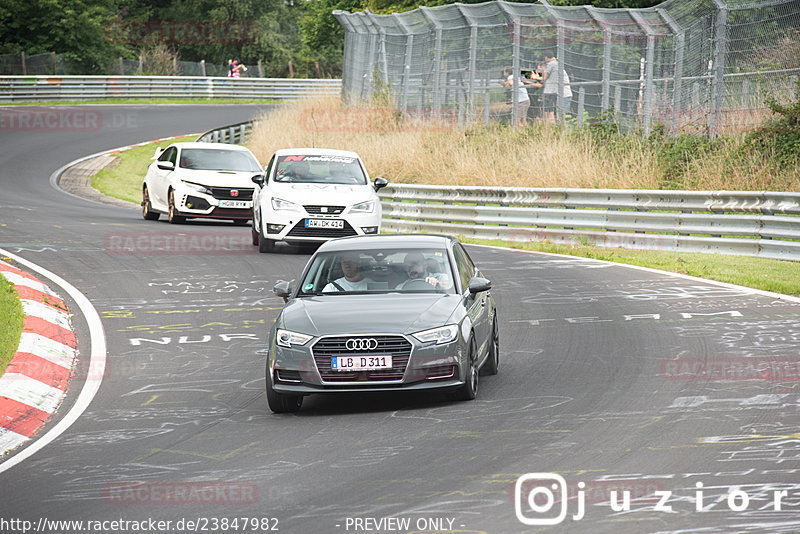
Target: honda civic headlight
x: 280, y: 204
x: 363, y: 207
x: 287, y: 338
x: 197, y: 187
x: 443, y: 334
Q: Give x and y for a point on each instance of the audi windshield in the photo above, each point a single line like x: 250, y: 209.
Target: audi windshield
x: 378, y: 271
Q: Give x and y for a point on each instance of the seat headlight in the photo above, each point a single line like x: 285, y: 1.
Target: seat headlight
x: 363, y: 207
x: 280, y: 204
x: 287, y: 338
x: 197, y: 187
x: 443, y: 334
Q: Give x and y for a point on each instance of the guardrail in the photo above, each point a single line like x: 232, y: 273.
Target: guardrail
x: 743, y: 223
x: 45, y: 88
x: 235, y: 134
x: 746, y: 223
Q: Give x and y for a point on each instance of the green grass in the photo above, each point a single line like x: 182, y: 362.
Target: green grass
x: 147, y: 101
x: 769, y: 275
x: 123, y: 178
x: 10, y: 323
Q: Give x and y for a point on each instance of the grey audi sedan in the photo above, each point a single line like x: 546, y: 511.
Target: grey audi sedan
x: 381, y: 313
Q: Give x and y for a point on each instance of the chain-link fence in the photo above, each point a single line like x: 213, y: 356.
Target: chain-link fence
x: 706, y: 64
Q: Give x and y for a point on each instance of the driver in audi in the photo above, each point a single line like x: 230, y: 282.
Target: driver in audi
x: 353, y: 279
x: 417, y: 269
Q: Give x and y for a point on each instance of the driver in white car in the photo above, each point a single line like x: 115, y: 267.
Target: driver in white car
x: 417, y: 269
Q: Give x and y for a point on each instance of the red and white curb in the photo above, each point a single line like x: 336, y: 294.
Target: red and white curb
x: 35, y: 381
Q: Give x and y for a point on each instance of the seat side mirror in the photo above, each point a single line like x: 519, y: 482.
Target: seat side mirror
x: 166, y: 165
x: 380, y: 183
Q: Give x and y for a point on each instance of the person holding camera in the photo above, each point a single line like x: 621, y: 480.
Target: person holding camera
x: 521, y: 94
x: 550, y: 78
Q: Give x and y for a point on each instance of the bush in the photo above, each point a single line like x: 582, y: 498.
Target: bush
x: 779, y: 138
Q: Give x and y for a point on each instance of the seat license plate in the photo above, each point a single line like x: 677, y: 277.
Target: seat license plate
x: 360, y: 363
x: 337, y: 224
x: 235, y: 204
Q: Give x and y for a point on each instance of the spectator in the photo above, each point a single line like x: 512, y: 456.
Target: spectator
x: 235, y: 68
x: 550, y: 78
x: 524, y: 101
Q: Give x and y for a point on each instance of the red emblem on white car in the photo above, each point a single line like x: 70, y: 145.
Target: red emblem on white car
x: 234, y: 192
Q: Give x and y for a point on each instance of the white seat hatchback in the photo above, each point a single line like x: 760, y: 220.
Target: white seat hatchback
x: 312, y: 195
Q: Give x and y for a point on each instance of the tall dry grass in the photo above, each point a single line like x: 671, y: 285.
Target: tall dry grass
x: 404, y: 150
x: 409, y: 151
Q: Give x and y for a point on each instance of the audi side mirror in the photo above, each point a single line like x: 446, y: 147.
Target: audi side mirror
x: 282, y: 289
x: 479, y: 285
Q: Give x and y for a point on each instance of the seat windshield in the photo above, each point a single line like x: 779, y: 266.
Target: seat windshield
x: 320, y: 170
x: 379, y: 271
x: 214, y: 159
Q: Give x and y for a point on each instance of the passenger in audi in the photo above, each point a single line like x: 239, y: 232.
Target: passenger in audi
x: 353, y: 279
x: 417, y: 270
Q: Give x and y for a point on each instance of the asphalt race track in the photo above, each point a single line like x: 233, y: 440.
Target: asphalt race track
x: 601, y: 381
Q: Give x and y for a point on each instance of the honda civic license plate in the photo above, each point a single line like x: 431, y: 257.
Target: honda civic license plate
x: 234, y: 204
x: 360, y: 363
x: 337, y: 224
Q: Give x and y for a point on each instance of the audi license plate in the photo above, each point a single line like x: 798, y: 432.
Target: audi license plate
x: 360, y: 363
x: 337, y: 224
x: 235, y: 204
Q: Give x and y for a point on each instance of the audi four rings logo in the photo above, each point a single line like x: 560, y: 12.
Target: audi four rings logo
x: 361, y: 344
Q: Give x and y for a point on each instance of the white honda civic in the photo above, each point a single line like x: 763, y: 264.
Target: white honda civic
x: 312, y: 195
x: 203, y: 180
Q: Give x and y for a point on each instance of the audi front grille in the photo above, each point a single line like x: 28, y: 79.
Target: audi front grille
x: 395, y: 346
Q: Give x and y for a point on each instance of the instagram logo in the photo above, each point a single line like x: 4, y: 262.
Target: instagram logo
x: 535, y: 495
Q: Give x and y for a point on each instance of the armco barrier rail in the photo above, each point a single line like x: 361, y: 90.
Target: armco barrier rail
x: 762, y: 224
x: 743, y: 223
x: 234, y: 134
x: 44, y: 88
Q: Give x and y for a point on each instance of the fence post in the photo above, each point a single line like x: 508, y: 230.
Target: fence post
x: 437, y: 59
x: 24, y: 67
x: 121, y: 67
x: 606, y: 91
x: 678, y: 76
x: 473, y: 58
x: 617, y: 101
x: 53, y: 63
x: 260, y: 69
x: 647, y: 111
x: 717, y: 81
x: 203, y: 67
x: 746, y: 93
x: 581, y: 97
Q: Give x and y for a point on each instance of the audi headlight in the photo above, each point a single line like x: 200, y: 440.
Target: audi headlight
x: 363, y: 207
x: 280, y: 204
x: 287, y: 338
x: 197, y: 187
x: 443, y: 334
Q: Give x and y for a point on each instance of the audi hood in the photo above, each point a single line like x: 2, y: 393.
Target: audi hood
x: 375, y: 313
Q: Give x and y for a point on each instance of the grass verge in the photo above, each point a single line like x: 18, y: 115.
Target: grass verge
x: 10, y: 322
x: 142, y: 101
x: 769, y: 275
x: 123, y: 177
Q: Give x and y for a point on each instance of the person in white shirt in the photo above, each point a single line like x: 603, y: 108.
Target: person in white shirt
x: 352, y: 280
x: 524, y: 101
